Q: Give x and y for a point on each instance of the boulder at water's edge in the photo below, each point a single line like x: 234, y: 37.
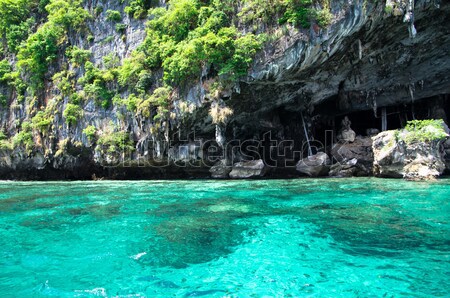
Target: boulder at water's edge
x: 248, y: 169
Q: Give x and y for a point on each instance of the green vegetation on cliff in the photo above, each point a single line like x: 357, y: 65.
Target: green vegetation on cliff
x: 46, y: 56
x: 417, y: 131
x: 424, y: 130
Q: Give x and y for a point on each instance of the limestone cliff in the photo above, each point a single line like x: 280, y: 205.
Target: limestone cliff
x: 371, y: 55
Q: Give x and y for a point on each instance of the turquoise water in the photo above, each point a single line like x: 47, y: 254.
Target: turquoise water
x: 354, y: 237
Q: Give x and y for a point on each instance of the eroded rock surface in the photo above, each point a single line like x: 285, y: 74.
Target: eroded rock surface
x: 366, y: 59
x: 248, y: 169
x: 314, y: 165
x: 394, y: 157
x: 353, y: 159
x: 447, y: 155
x: 220, y: 170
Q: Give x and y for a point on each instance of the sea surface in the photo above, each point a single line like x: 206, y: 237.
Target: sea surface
x: 358, y: 237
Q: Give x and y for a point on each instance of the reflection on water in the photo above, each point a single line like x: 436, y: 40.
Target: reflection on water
x: 206, y: 238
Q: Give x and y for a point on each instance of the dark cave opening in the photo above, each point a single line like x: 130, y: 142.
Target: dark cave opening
x: 326, y: 122
x: 279, y: 135
x: 329, y: 119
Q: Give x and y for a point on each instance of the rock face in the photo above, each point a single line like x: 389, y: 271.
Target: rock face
x: 17, y: 165
x: 447, y: 155
x: 364, y: 60
x: 315, y: 165
x: 248, y: 169
x: 353, y: 159
x: 346, y: 134
x: 220, y: 170
x: 413, y: 161
x: 349, y: 168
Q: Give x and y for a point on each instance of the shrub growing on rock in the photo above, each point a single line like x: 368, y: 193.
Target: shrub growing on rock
x: 424, y: 131
x: 72, y: 113
x: 90, y: 131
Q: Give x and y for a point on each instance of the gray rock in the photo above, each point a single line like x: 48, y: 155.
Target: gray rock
x: 342, y: 170
x: 350, y: 168
x: 388, y: 155
x: 370, y: 132
x: 353, y: 159
x: 446, y: 147
x: 315, y: 165
x: 220, y: 170
x: 347, y: 135
x: 361, y: 149
x: 248, y: 169
x: 394, y: 157
x: 344, y: 67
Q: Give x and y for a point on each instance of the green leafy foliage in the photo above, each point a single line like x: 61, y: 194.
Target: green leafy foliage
x: 298, y: 12
x: 95, y: 85
x: 67, y: 13
x: 98, y: 10
x: 301, y: 12
x: 116, y: 142
x: 41, y: 48
x: 144, y: 82
x: 17, y: 33
x: 41, y: 6
x: 261, y: 10
x: 188, y: 36
x: 14, y: 79
x: 155, y: 105
x: 72, y: 113
x: 91, y: 132
x: 69, y: 147
x: 12, y: 12
x: 113, y: 15
x: 245, y: 48
x: 24, y: 137
x: 132, y: 102
x: 108, y: 39
x: 78, y: 56
x: 121, y: 28
x: 131, y: 67
x: 178, y: 20
x: 424, y: 131
x: 111, y: 61
x: 3, y: 101
x: 5, y: 143
x: 39, y: 51
x: 323, y: 17
x: 14, y: 21
x: 5, y: 69
x: 42, y: 121
x: 64, y: 81
x: 139, y: 8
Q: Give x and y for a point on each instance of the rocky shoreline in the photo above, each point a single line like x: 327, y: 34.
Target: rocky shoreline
x: 382, y: 155
x: 369, y: 64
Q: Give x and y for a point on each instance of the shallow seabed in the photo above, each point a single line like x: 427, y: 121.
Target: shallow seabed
x: 359, y: 237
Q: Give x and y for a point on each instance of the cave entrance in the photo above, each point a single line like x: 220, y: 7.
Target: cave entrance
x: 436, y: 107
x: 396, y: 117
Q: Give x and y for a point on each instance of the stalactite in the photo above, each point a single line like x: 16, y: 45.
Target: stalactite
x: 359, y: 49
x: 220, y: 135
x: 374, y: 106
